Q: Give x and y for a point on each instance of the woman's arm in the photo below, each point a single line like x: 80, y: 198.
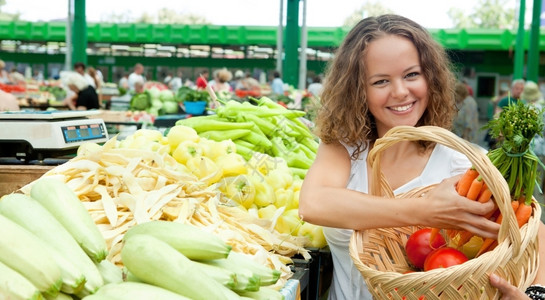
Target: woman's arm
x: 325, y: 200
x: 540, y: 276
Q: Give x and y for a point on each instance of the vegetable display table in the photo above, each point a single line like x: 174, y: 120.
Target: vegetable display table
x: 13, y: 177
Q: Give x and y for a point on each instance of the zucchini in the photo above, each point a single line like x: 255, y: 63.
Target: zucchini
x: 29, y: 214
x: 264, y: 293
x: 130, y: 277
x: 66, y: 207
x: 136, y: 290
x: 23, y: 252
x: 63, y: 296
x: 245, y: 279
x: 110, y: 272
x: 226, y: 277
x: 193, y: 242
x: 267, y: 275
x: 243, y: 265
x: 156, y: 262
x: 15, y: 286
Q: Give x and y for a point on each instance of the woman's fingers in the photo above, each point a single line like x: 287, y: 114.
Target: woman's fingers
x: 507, y: 290
x: 451, y: 210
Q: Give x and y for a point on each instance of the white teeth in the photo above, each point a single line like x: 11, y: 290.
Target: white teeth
x: 402, y: 108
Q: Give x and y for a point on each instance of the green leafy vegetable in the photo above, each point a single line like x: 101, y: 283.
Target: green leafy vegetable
x: 515, y: 128
x: 141, y: 101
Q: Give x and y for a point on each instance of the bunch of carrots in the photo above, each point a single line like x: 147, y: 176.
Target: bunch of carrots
x: 472, y: 186
x: 515, y: 127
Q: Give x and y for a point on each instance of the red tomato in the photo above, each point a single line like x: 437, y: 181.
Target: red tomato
x: 444, y: 258
x: 418, y: 246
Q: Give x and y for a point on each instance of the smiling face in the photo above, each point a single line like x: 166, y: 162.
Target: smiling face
x: 396, y: 87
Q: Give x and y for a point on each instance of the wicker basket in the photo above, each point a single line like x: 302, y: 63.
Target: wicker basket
x: 379, y: 254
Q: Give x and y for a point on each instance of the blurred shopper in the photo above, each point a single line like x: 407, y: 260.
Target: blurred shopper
x: 533, y: 96
x: 15, y: 77
x: 176, y: 82
x: 277, y: 85
x: 84, y: 96
x: 202, y: 79
x: 237, y: 83
x: 516, y: 89
x: 97, y: 80
x: 251, y: 83
x: 315, y: 88
x: 221, y: 81
x: 4, y: 76
x: 124, y: 82
x: 138, y: 87
x: 8, y: 102
x: 136, y: 75
x: 80, y: 68
x: 466, y: 123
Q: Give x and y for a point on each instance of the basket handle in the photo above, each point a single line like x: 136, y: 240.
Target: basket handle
x: 493, y: 178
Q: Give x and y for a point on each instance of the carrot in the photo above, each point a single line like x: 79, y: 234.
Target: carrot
x: 462, y: 187
x: 523, y: 213
x: 485, y: 195
x: 475, y: 188
x: 493, y: 246
x: 452, y: 233
x: 466, y: 180
x: 487, y: 243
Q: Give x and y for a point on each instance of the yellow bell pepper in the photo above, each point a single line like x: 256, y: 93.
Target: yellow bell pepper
x: 267, y: 212
x: 239, y: 189
x: 289, y: 222
x: 187, y: 150
x: 205, y: 169
x: 232, y: 164
x: 315, y: 235
x: 214, y: 150
x: 264, y: 193
x: 180, y: 133
x: 284, y: 197
x: 279, y: 178
x: 294, y: 201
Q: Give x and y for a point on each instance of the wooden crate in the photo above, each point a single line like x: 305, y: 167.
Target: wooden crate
x: 13, y: 177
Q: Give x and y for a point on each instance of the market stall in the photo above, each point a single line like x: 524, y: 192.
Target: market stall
x: 242, y: 190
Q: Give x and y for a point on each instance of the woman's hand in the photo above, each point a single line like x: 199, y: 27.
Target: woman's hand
x: 507, y: 290
x: 445, y: 208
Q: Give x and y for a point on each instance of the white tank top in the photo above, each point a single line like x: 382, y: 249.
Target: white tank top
x: 347, y: 282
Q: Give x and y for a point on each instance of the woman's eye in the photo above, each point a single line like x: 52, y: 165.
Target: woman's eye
x: 412, y: 74
x: 379, y: 82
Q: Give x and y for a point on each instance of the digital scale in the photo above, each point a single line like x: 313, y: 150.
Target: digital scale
x: 37, y: 135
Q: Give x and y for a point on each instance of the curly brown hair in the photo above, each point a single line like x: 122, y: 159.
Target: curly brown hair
x: 345, y: 116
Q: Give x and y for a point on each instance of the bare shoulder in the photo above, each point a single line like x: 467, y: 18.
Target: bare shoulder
x: 331, y: 166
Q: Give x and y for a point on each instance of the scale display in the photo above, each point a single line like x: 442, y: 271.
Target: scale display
x: 79, y: 133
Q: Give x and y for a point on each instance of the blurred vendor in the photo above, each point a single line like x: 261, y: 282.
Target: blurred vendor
x: 84, y: 96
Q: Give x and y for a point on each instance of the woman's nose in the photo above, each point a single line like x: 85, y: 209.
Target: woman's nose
x: 399, y: 89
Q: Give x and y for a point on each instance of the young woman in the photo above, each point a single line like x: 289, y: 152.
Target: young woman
x: 387, y: 72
